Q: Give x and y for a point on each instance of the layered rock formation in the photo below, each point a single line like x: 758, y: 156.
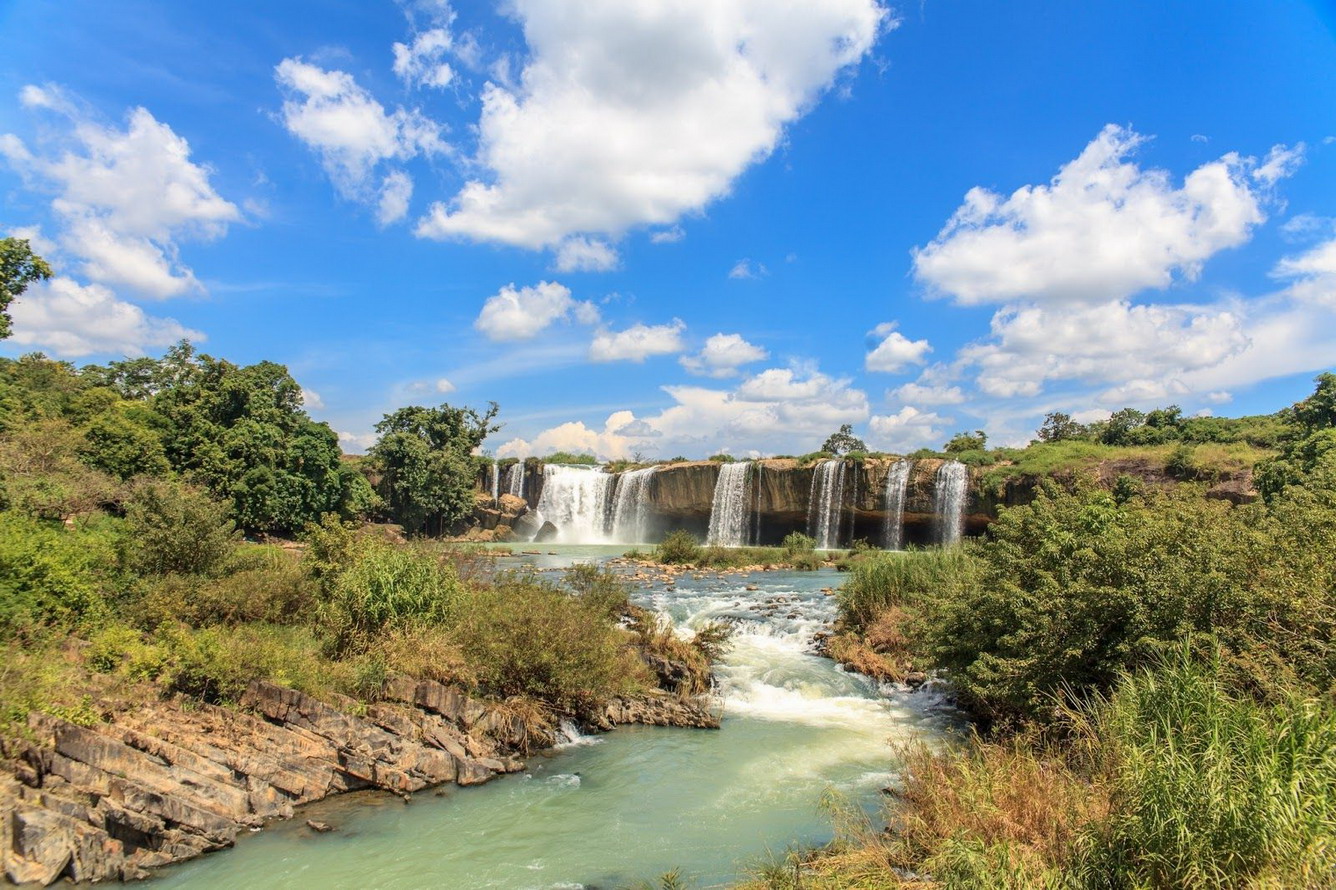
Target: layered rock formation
x: 167, y: 782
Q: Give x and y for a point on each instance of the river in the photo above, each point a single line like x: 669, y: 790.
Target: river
x: 610, y: 810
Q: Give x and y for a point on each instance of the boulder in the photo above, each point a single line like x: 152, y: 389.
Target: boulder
x: 548, y: 532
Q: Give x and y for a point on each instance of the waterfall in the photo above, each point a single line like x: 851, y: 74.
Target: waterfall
x: 496, y: 483
x: 630, y: 506
x: 729, y: 512
x: 577, y: 500
x: 897, y: 480
x: 825, y: 503
x: 949, y: 501
x: 515, y: 479
x: 756, y: 504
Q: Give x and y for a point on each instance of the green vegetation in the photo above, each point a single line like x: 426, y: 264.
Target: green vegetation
x: 843, y: 441
x: 566, y: 457
x: 1153, y: 672
x: 682, y: 549
x: 19, y: 267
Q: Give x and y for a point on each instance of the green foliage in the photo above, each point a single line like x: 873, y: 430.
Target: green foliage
x: 678, y: 547
x: 905, y: 580
x: 603, y: 591
x: 531, y: 639
x: 175, y: 528
x: 722, y: 458
x: 1309, y: 444
x: 1058, y: 427
x: 843, y: 441
x: 426, y: 469
x: 1210, y: 790
x: 19, y: 267
x: 965, y: 442
x: 386, y: 586
x: 566, y: 457
x: 50, y: 576
x: 796, y: 543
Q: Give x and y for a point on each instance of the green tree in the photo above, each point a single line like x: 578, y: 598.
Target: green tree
x: 424, y: 460
x: 1059, y: 427
x: 843, y: 441
x: 19, y: 267
x: 962, y: 442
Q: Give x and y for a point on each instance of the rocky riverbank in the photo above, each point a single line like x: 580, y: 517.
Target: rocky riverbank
x: 163, y: 783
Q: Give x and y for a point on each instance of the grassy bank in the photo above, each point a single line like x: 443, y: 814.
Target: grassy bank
x: 681, y: 548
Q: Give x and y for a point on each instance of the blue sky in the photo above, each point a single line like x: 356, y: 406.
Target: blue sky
x: 681, y: 228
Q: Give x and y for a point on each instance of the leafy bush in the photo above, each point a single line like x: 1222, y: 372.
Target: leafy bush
x: 602, y: 590
x: 50, y: 576
x: 566, y: 457
x: 909, y: 579
x: 677, y: 548
x: 174, y: 528
x: 796, y: 542
x: 388, y: 586
x: 531, y: 639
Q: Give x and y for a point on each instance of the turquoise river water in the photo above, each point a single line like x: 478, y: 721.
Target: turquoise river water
x: 608, y: 811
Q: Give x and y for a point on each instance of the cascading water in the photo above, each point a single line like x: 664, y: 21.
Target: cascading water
x: 515, y: 479
x: 496, y: 483
x: 897, y: 481
x: 578, y: 501
x: 758, y: 488
x: 825, y: 504
x: 631, y: 506
x: 732, y: 500
x: 949, y: 501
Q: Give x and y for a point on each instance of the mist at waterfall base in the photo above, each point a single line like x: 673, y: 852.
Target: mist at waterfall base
x: 588, y: 505
x: 610, y: 810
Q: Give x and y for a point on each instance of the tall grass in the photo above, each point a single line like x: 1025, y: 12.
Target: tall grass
x: 900, y: 580
x: 1211, y: 790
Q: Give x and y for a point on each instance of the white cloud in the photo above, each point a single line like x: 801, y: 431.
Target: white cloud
x: 522, y: 313
x: 638, y: 342
x: 1281, y: 163
x: 722, y: 356
x: 72, y: 320
x: 578, y: 254
x: 780, y: 410
x: 633, y: 112
x: 422, y: 63
x: 928, y: 394
x: 311, y: 399
x: 124, y: 198
x: 894, y: 350
x: 670, y: 235
x: 745, y: 269
x: 356, y: 443
x: 908, y: 430
x: 1102, y: 230
x: 353, y: 133
x: 444, y: 386
x: 395, y: 193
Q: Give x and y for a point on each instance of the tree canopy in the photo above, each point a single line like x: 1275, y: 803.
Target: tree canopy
x: 844, y: 441
x: 19, y: 267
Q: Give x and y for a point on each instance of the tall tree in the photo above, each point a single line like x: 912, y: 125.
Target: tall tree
x: 19, y: 267
x: 424, y: 460
x: 843, y: 441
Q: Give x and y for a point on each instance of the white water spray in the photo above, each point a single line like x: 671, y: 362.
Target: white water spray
x: 949, y: 501
x: 630, y: 509
x: 897, y: 481
x: 515, y: 479
x: 496, y: 483
x: 825, y: 503
x: 729, y: 511
x: 578, y: 501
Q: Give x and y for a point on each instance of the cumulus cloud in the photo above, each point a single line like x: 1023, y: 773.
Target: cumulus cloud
x: 354, y: 135
x: 722, y: 356
x: 125, y: 198
x: 444, y: 386
x: 422, y: 63
x: 577, y: 254
x: 778, y: 410
x: 356, y: 443
x: 642, y: 111
x: 73, y: 320
x: 523, y: 313
x: 638, y: 342
x: 671, y: 235
x: 311, y: 399
x: 908, y: 430
x: 1102, y: 230
x: 894, y: 350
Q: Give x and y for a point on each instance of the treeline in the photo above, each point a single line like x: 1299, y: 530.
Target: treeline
x: 1153, y: 674
x: 75, y: 440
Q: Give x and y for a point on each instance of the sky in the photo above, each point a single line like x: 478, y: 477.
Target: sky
x: 682, y: 227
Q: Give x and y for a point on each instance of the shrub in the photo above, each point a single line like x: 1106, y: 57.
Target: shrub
x: 174, y: 528
x: 809, y: 561
x: 910, y: 580
x: 387, y: 586
x: 50, y: 576
x: 797, y: 542
x: 603, y: 591
x: 678, y: 548
x: 531, y: 639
